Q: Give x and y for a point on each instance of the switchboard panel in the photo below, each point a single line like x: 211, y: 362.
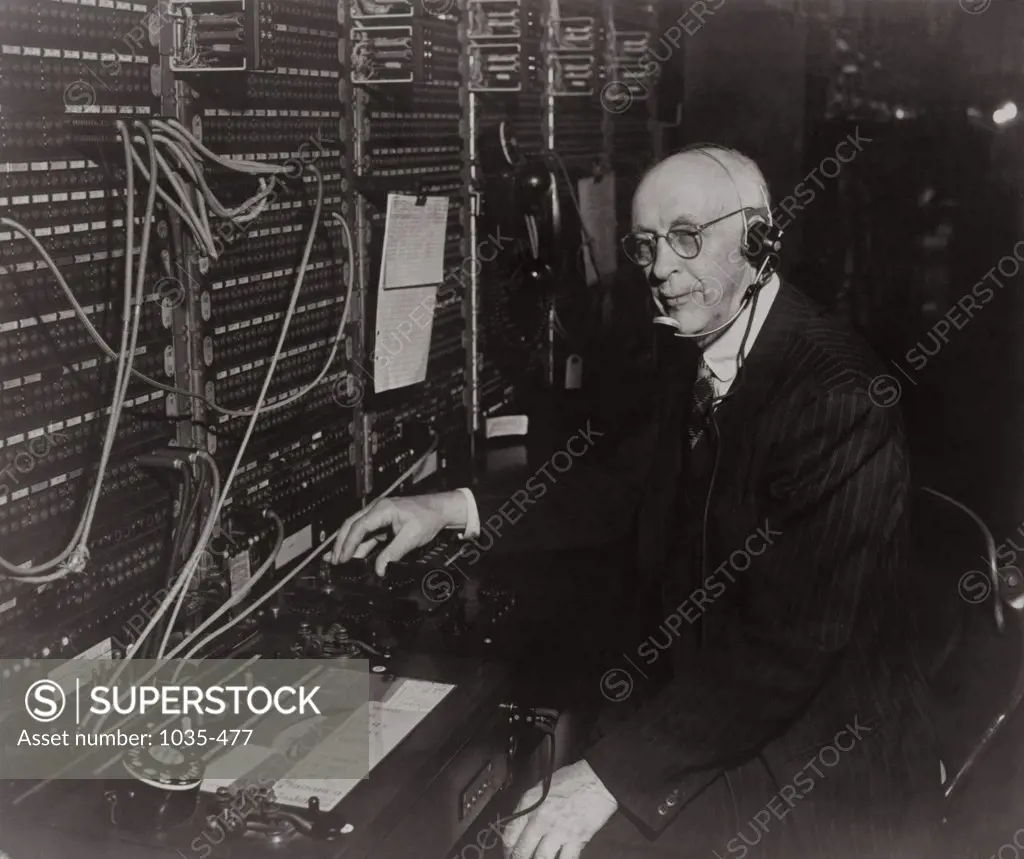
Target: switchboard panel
x: 628, y: 97
x: 83, y: 543
x: 286, y: 259
x: 411, y: 140
x: 510, y: 123
x: 190, y: 395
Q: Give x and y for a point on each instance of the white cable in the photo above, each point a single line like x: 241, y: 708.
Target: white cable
x: 990, y: 550
x: 300, y: 276
x: 348, y: 300
x: 131, y: 320
x: 265, y: 568
x: 188, y: 164
x: 185, y: 214
x: 204, y: 538
x: 174, y: 128
x: 313, y: 555
x: 246, y: 210
x: 171, y: 389
x: 196, y: 217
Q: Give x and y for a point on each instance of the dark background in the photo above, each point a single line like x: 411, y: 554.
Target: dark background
x: 922, y: 214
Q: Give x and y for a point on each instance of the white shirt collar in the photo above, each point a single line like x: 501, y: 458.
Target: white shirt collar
x: 722, y: 356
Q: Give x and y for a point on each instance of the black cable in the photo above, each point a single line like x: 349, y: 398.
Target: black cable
x: 189, y: 505
x: 548, y: 776
x: 177, y: 536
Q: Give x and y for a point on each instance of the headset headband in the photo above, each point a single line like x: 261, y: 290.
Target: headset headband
x: 707, y: 150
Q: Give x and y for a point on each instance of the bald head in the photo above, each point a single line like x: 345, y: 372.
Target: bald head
x: 686, y: 193
x: 719, y: 178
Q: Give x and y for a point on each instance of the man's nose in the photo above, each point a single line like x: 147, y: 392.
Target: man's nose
x: 666, y: 260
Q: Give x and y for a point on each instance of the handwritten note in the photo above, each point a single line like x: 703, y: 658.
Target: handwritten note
x: 412, y: 267
x: 414, y: 238
x: 598, y: 217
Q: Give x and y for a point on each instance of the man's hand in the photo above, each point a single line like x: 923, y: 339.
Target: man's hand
x: 414, y: 521
x: 577, y: 806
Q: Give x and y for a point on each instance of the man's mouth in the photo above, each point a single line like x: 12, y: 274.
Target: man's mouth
x: 675, y: 300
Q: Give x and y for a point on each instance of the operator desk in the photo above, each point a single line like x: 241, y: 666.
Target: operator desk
x: 441, y: 786
x: 417, y: 802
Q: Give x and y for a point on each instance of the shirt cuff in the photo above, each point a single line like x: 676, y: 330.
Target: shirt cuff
x: 472, y: 516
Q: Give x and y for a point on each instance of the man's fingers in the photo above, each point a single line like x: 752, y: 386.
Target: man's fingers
x: 342, y: 534
x: 367, y: 546
x: 376, y: 518
x: 531, y: 836
x: 572, y: 850
x: 549, y: 846
x: 405, y: 541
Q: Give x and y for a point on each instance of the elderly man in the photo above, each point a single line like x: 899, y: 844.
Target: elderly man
x: 768, y: 498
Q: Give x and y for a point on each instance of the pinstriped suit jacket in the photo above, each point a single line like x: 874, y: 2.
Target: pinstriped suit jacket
x: 804, y: 613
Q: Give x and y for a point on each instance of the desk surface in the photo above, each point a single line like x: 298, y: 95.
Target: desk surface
x: 67, y: 819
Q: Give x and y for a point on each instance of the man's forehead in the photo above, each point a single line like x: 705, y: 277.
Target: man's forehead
x: 681, y: 188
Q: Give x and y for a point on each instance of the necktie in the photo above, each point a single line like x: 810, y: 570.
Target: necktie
x: 703, y: 393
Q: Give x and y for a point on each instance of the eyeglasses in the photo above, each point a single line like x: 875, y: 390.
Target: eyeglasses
x: 642, y: 248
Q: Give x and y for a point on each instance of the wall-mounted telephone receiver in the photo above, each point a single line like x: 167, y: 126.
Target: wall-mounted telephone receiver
x: 533, y: 183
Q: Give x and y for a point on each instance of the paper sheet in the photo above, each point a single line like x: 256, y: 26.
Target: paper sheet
x: 417, y: 696
x: 389, y: 723
x: 597, y: 210
x: 412, y: 267
x: 414, y: 241
x: 239, y: 759
x: 506, y: 425
x: 405, y: 321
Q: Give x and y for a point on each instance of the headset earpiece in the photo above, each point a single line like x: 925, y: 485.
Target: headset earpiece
x: 762, y: 241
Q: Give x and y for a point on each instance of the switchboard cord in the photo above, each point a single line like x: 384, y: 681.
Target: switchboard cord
x: 74, y: 557
x: 191, y: 565
x: 190, y: 217
x: 187, y: 214
x: 313, y: 555
x: 233, y: 600
x: 244, y: 212
x: 193, y: 212
x: 191, y: 499
x: 176, y: 129
x: 203, y: 458
x: 549, y: 773
x: 300, y: 275
x: 75, y: 375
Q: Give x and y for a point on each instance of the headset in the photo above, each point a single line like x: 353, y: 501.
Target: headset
x: 760, y: 244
